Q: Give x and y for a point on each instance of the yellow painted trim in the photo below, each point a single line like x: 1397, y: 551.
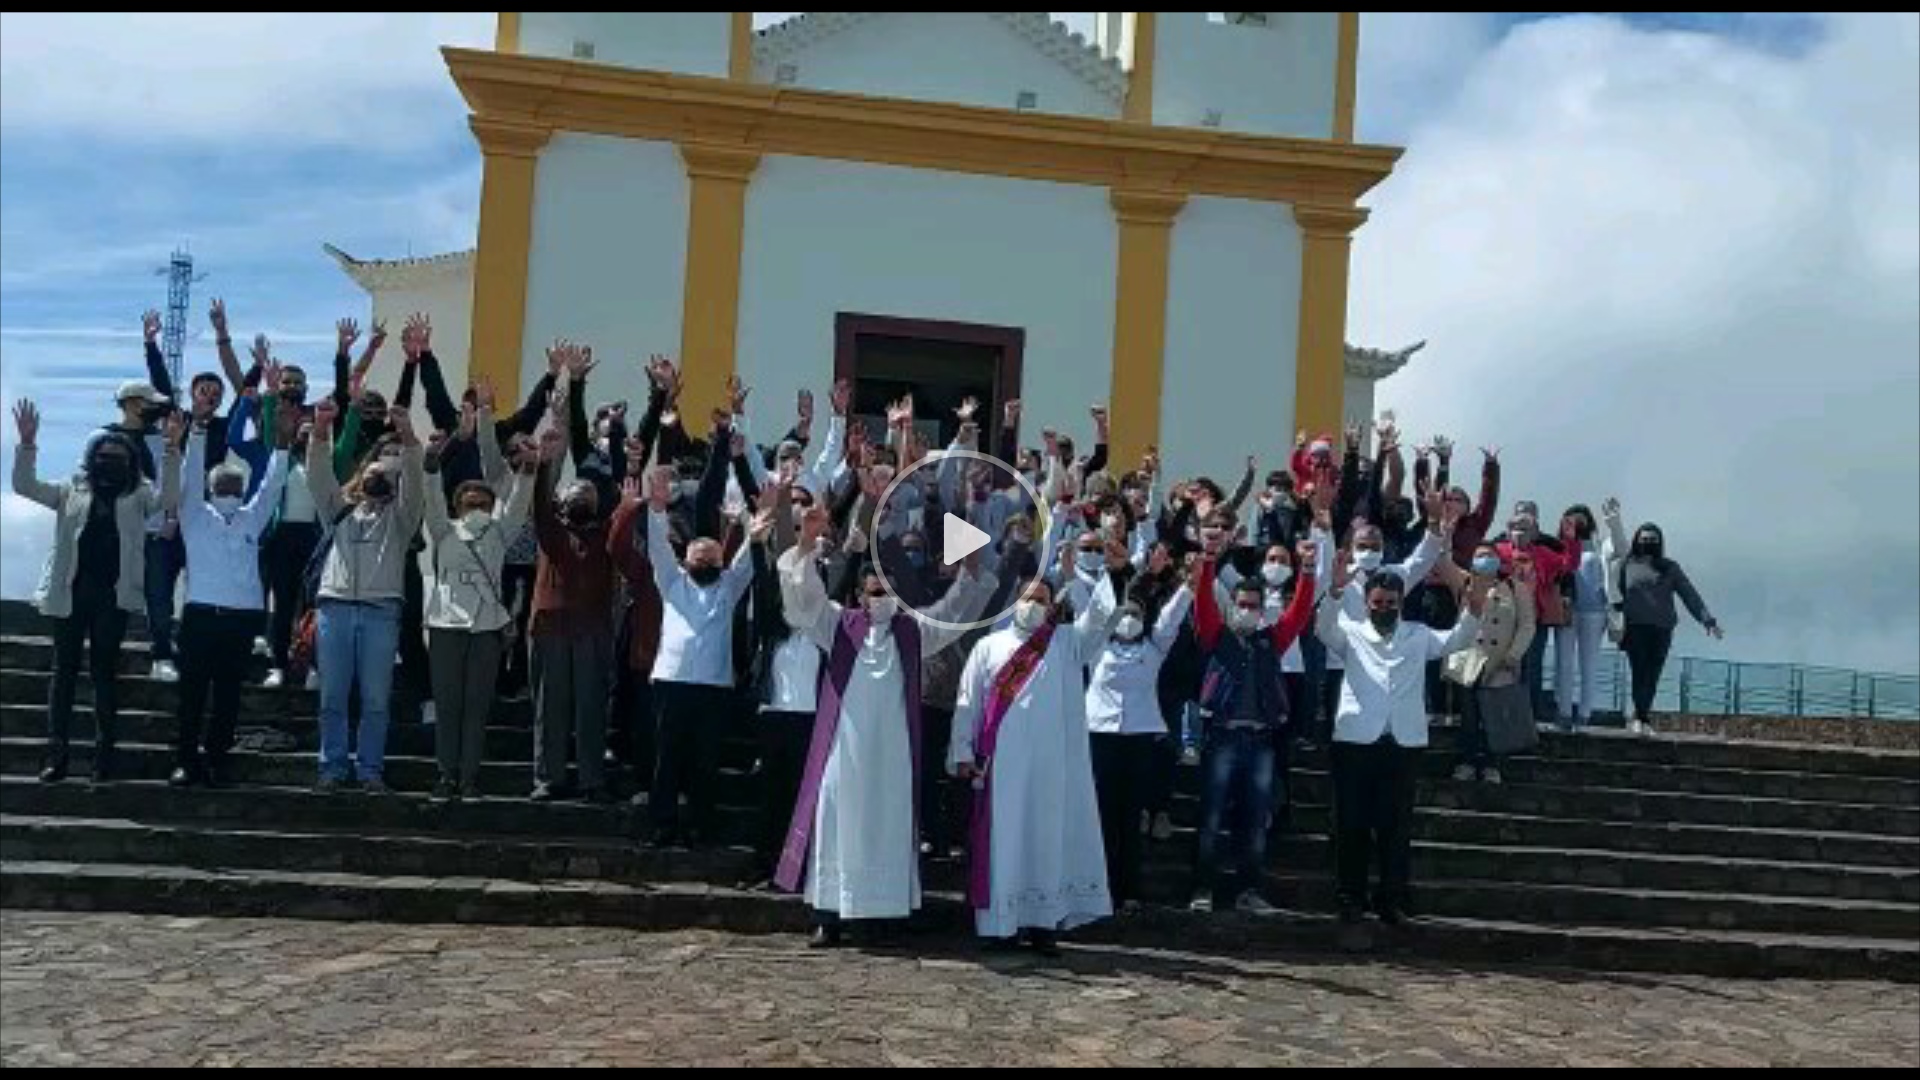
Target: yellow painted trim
x: 608, y: 100
x: 511, y: 157
x: 1320, y: 369
x: 506, y: 33
x: 1146, y: 47
x: 1145, y: 221
x: 710, y: 313
x: 1346, y: 85
x: 740, y: 48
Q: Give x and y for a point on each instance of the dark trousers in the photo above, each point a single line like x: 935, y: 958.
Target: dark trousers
x: 1474, y: 750
x: 570, y: 708
x: 691, y: 720
x: 1313, y: 715
x: 630, y: 719
x: 286, y: 553
x: 1165, y: 774
x: 214, y: 645
x: 785, y: 738
x: 165, y: 560
x: 1123, y: 779
x: 97, y: 624
x: 1443, y: 697
x: 516, y: 591
x: 1237, y: 779
x: 1646, y: 648
x: 415, y: 676
x: 464, y: 668
x: 1373, y: 821
x: 942, y: 800
x: 1533, y: 671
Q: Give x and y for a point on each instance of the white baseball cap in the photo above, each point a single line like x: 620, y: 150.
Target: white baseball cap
x: 134, y: 388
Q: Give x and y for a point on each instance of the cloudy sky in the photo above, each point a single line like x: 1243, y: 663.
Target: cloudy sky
x: 1672, y: 258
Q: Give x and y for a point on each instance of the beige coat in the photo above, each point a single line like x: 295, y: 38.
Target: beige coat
x: 72, y: 502
x: 1506, y: 629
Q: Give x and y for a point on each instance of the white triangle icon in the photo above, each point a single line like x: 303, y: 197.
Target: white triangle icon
x: 959, y: 539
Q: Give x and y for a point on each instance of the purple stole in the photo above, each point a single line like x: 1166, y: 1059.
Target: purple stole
x: 1007, y: 684
x: 847, y: 642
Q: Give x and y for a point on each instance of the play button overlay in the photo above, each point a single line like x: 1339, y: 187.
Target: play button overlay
x: 949, y: 509
x: 960, y: 539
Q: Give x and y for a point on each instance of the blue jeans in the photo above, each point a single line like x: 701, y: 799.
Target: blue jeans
x: 356, y: 648
x: 165, y: 560
x: 1239, y: 773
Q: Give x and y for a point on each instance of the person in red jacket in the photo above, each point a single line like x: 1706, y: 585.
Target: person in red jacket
x: 1552, y: 562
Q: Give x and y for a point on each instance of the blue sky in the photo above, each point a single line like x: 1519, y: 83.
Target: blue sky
x: 1669, y: 256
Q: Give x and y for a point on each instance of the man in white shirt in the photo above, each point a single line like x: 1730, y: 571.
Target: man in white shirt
x: 225, y: 601
x: 693, y: 671
x: 1379, y: 732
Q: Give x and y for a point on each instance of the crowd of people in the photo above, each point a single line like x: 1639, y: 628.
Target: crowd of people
x: 651, y: 588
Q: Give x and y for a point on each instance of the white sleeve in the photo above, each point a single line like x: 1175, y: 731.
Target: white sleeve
x: 962, y: 604
x: 268, y: 494
x: 1173, y: 615
x: 1330, y: 624
x: 969, y: 703
x: 666, y: 569
x: 1093, y: 625
x: 738, y: 577
x: 1420, y: 563
x: 804, y: 597
x: 829, y: 461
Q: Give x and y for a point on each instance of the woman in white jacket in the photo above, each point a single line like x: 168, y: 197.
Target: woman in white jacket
x: 95, y: 574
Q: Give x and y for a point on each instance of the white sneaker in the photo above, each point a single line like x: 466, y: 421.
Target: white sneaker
x: 164, y: 671
x: 1190, y: 756
x: 313, y: 680
x: 275, y: 679
x: 1201, y: 905
x: 1492, y: 776
x: 1638, y: 727
x: 261, y: 648
x: 1463, y: 775
x: 427, y: 715
x: 1252, y: 903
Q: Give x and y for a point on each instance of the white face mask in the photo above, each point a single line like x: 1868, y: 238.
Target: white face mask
x: 226, y: 504
x: 1368, y: 561
x: 1244, y: 620
x: 1090, y: 562
x: 1029, y: 615
x: 475, y: 520
x: 883, y: 609
x: 1129, y: 628
x: 1276, y: 574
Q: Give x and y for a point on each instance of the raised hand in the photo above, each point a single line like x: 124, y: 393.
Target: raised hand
x: 483, y: 394
x: 349, y: 332
x: 1300, y: 439
x: 1305, y: 554
x: 737, y: 392
x: 582, y: 363
x: 1342, y: 569
x: 379, y: 337
x: 1010, y: 413
x: 261, y: 351
x: 660, y: 487
x: 217, y: 314
x: 1150, y: 462
x: 1439, y: 520
x: 150, y: 325
x: 1099, y: 414
x: 1611, y: 508
x: 1354, y: 435
x: 900, y: 413
x: 269, y: 377
x: 664, y: 376
x: 26, y: 421
x: 417, y: 336
x: 803, y: 409
x: 469, y: 419
x: 324, y: 413
x: 762, y: 526
x: 1715, y: 632
x: 968, y: 407
x: 553, y: 443
x: 630, y: 490
x: 401, y: 421
x: 176, y: 426
x: 557, y: 354
x: 357, y: 386
x: 1443, y: 448
x: 1491, y: 453
x: 840, y: 397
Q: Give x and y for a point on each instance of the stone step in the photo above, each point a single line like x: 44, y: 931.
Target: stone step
x: 23, y: 756
x: 151, y: 889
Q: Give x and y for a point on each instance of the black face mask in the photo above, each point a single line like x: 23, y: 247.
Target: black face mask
x: 704, y: 574
x: 1386, y: 622
x: 109, y: 475
x: 296, y: 395
x: 1646, y: 547
x: 1583, y: 531
x: 377, y: 486
x: 577, y: 516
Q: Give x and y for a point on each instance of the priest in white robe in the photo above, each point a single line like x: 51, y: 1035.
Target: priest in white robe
x: 854, y: 840
x: 1020, y: 736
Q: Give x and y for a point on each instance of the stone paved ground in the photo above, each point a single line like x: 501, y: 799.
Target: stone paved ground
x: 124, y: 990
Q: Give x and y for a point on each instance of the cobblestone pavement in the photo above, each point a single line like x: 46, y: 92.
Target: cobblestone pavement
x: 125, y: 990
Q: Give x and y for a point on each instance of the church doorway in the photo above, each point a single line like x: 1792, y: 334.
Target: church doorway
x: 940, y: 363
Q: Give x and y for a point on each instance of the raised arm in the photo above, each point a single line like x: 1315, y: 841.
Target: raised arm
x: 1207, y: 621
x: 666, y: 569
x: 1173, y: 615
x: 26, y: 481
x: 321, y: 482
x: 223, y: 344
x: 157, y: 372
x: 1690, y: 596
x: 1094, y: 624
x: 1240, y: 493
x: 1299, y: 613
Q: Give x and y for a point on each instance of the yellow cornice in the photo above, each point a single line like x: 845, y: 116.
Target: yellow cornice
x: 541, y: 92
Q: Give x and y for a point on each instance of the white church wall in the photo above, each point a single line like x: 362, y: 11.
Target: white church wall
x: 1276, y: 79
x: 961, y: 57
x: 1233, y: 317
x: 823, y: 237
x: 444, y: 296
x: 689, y: 42
x: 608, y: 259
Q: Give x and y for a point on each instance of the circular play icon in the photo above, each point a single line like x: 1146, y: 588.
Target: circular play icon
x: 957, y: 537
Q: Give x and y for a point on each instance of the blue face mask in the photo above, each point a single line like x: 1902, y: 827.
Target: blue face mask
x: 1486, y: 565
x: 917, y: 558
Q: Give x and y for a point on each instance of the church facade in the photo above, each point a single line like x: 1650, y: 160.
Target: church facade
x: 960, y: 204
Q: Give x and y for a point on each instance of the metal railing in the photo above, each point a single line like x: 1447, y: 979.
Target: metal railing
x: 1700, y: 686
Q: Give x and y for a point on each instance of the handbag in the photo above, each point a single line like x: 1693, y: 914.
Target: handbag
x: 1506, y: 715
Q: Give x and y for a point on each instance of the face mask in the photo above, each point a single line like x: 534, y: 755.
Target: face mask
x: 294, y: 395
x: 703, y: 575
x: 1367, y: 561
x: 476, y: 519
x: 578, y: 516
x: 1020, y: 537
x: 882, y: 609
x: 225, y: 504
x: 1244, y: 620
x: 108, y: 474
x: 916, y: 558
x: 377, y: 486
x: 1645, y: 547
x: 1090, y: 562
x: 1129, y: 628
x: 1029, y: 615
x: 1486, y: 565
x: 1385, y: 621
x: 1276, y: 574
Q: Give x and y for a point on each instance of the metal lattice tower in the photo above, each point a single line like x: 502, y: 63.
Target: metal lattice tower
x: 173, y: 332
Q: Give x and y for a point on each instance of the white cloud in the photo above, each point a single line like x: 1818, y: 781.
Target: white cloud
x: 238, y: 80
x: 1682, y: 269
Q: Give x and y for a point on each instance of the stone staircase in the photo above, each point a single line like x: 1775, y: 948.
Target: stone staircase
x: 1603, y: 851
